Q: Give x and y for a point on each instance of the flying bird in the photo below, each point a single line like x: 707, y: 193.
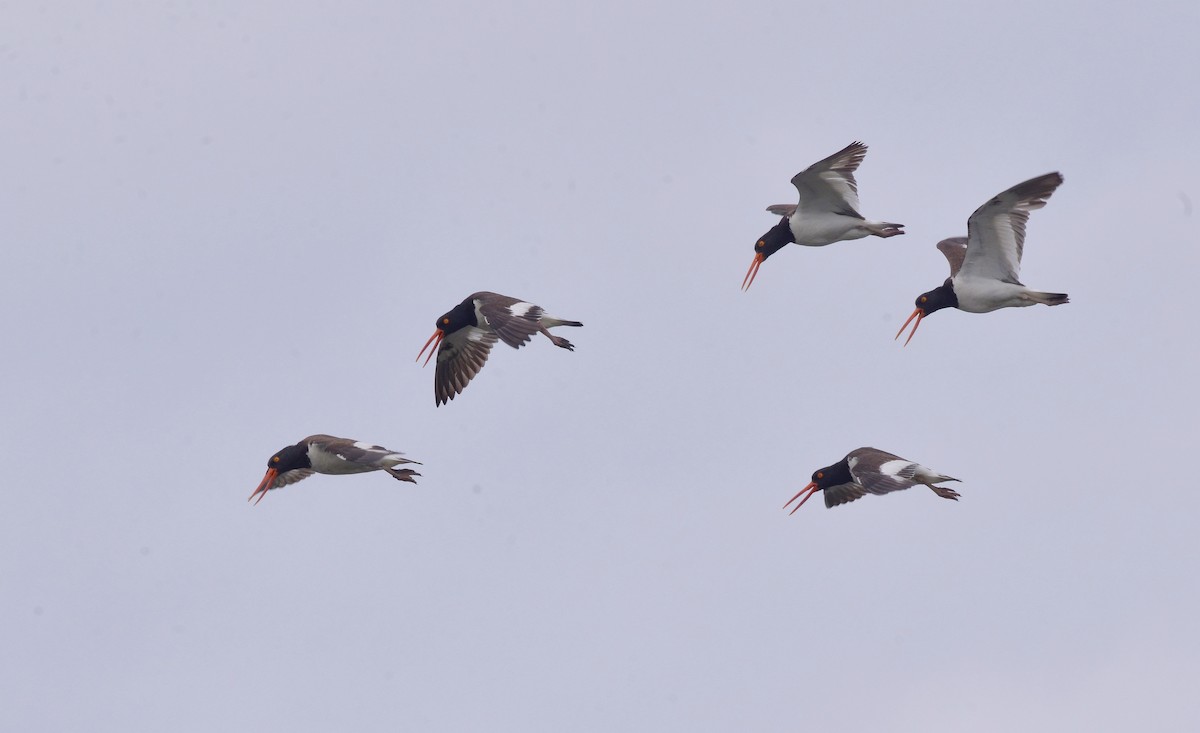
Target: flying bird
x: 870, y: 471
x: 984, y: 265
x: 466, y: 333
x: 327, y: 454
x: 826, y: 213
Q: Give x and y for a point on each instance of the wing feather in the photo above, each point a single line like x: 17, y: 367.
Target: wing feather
x: 880, y: 472
x: 828, y: 186
x: 460, y: 357
x: 955, y: 249
x: 843, y: 494
x: 513, y: 320
x: 291, y: 477
x: 996, y: 231
x: 882, y: 483
x: 358, y: 452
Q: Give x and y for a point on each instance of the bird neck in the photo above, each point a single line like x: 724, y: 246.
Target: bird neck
x: 777, y: 237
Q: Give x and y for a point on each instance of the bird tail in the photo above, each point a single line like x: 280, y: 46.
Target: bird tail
x: 887, y: 229
x: 1047, y: 298
x: 403, y: 474
x: 929, y: 477
x: 551, y: 322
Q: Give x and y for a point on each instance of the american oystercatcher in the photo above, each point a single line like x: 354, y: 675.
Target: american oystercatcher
x: 870, y: 471
x: 827, y: 211
x: 466, y: 333
x: 327, y: 454
x: 984, y: 265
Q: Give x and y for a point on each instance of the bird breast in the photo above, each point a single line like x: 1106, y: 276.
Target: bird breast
x: 983, y: 295
x: 826, y: 228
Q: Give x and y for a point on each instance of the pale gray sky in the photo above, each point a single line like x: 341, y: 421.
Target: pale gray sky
x: 228, y: 227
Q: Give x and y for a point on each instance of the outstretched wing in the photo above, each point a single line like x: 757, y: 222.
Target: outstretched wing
x: 843, y: 494
x: 955, y: 249
x: 356, y: 452
x: 460, y: 357
x: 828, y: 186
x: 880, y: 472
x: 291, y: 477
x: 996, y: 231
x: 513, y: 320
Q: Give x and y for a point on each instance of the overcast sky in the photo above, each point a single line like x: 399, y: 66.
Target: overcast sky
x: 228, y: 227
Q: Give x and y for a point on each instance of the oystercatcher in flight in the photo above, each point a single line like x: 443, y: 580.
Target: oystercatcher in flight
x: 327, y: 454
x: 984, y: 265
x: 466, y: 333
x: 870, y: 471
x: 827, y: 211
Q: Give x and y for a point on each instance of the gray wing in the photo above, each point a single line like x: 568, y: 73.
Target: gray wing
x: 358, y: 452
x: 460, y: 357
x: 996, y: 231
x: 955, y: 249
x: 291, y: 477
x: 782, y: 209
x: 513, y: 320
x: 828, y: 186
x: 843, y: 494
x: 880, y: 472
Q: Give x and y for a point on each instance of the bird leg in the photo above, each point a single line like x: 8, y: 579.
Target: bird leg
x: 945, y: 493
x: 558, y: 341
x: 403, y: 474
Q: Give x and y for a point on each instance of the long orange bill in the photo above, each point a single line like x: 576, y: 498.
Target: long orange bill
x: 265, y: 486
x: 917, y: 314
x: 439, y: 335
x: 812, y: 488
x: 753, y: 271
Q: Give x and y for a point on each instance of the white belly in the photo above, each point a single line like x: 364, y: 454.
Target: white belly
x: 822, y: 229
x: 983, y: 295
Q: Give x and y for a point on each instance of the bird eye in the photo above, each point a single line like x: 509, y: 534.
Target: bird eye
x: 445, y: 321
x: 923, y: 299
x: 274, y: 459
x: 760, y: 243
x: 820, y: 474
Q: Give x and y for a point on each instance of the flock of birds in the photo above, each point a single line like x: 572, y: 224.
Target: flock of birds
x: 984, y: 267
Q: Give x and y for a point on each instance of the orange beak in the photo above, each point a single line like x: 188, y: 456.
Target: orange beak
x: 917, y: 314
x: 753, y: 271
x: 812, y: 488
x: 439, y: 335
x: 265, y: 486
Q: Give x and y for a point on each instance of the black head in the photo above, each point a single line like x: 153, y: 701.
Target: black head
x: 823, y: 478
x: 460, y: 316
x: 776, y: 238
x: 934, y: 300
x: 835, y: 475
x: 938, y: 298
x: 290, y: 458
